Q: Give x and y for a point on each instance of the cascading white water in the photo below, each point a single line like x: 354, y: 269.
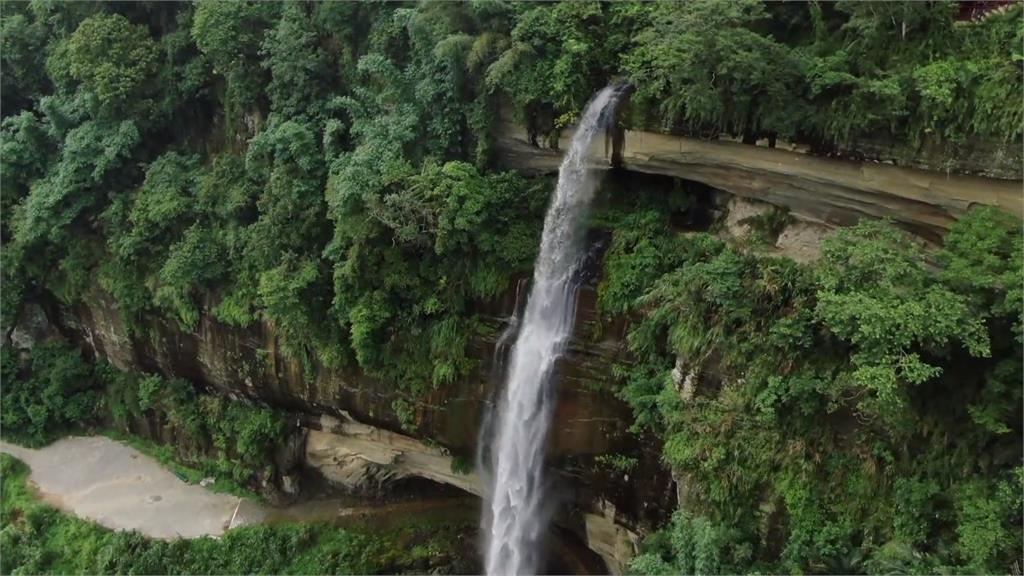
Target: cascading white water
x: 516, y: 512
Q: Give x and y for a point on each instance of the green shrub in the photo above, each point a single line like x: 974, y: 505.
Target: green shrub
x: 38, y: 539
x: 55, y: 394
x: 851, y: 414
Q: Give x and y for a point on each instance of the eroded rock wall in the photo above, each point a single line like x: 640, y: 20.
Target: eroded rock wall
x: 354, y: 439
x: 826, y: 191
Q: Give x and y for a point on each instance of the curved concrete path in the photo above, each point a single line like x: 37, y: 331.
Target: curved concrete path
x: 121, y: 488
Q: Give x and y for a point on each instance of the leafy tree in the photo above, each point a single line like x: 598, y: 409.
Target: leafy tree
x: 706, y: 64
x: 23, y: 40
x: 230, y: 35
x: 556, y: 57
x: 89, y: 158
x: 114, y: 60
x: 459, y: 235
x: 192, y: 264
x: 989, y: 515
x: 763, y: 379
x: 298, y: 66
x: 57, y: 394
x: 876, y: 293
x: 161, y: 209
x: 24, y: 155
x: 983, y: 259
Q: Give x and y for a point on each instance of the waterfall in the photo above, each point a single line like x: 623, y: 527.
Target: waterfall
x: 516, y: 511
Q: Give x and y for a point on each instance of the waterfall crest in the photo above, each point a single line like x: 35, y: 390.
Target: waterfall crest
x: 516, y: 513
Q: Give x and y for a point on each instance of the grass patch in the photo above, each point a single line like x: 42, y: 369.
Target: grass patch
x: 39, y: 539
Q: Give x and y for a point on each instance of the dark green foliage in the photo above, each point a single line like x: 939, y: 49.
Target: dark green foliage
x: 26, y: 148
x: 419, y: 251
x: 298, y: 67
x: 230, y: 35
x: 218, y: 436
x: 829, y: 73
x: 307, y: 165
x: 54, y: 394
x: 556, y: 55
x: 22, y: 56
x: 703, y: 62
x: 38, y: 539
x: 324, y: 168
x: 89, y: 156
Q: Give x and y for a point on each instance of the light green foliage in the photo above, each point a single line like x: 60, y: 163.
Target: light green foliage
x: 691, y: 545
x: 852, y: 397
x: 621, y: 463
x: 38, y: 539
x: 876, y: 293
x: 405, y: 413
x: 989, y: 516
x: 113, y: 59
x: 983, y: 259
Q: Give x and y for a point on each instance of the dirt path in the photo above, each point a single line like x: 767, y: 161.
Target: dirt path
x: 121, y: 488
x: 115, y: 485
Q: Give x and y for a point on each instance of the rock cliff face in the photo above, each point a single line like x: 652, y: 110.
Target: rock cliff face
x: 826, y: 191
x: 354, y: 439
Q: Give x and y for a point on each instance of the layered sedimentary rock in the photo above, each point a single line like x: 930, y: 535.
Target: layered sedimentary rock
x: 828, y: 191
x: 359, y: 457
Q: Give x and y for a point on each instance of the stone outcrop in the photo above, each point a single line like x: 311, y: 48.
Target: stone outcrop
x: 360, y: 457
x: 614, y: 543
x: 826, y: 191
x: 798, y: 240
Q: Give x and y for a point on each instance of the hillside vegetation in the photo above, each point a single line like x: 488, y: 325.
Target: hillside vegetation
x: 328, y: 168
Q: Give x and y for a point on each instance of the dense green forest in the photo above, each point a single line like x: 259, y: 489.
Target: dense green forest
x: 328, y: 168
